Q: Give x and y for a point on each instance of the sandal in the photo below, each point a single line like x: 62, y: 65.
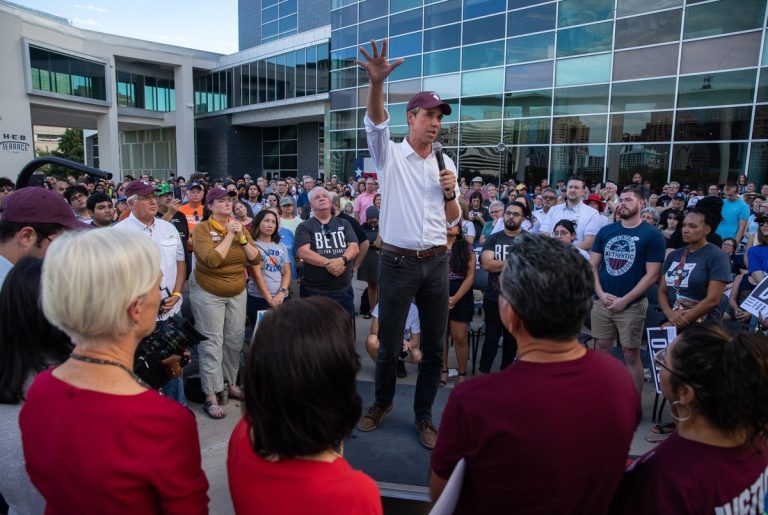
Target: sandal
x: 214, y: 410
x: 660, y: 432
x: 235, y: 392
x: 443, y: 378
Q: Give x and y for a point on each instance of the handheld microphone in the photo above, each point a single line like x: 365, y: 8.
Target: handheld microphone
x: 437, y: 148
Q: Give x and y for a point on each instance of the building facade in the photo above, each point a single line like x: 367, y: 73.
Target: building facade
x: 672, y: 89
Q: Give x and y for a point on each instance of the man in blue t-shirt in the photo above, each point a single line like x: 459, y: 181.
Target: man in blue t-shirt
x: 626, y: 258
x: 735, y: 214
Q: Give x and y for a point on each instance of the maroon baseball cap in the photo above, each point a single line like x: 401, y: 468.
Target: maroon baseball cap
x: 34, y: 205
x: 428, y: 100
x: 217, y: 193
x: 143, y: 188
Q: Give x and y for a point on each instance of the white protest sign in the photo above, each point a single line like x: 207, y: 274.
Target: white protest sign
x: 659, y: 338
x: 757, y: 302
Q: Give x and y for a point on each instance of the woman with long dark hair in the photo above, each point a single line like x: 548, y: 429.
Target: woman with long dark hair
x: 716, y: 462
x: 461, y: 305
x: 29, y: 344
x: 270, y: 279
x: 301, y: 402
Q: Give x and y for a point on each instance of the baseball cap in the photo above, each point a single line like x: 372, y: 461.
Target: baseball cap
x: 372, y: 212
x: 477, y: 179
x: 286, y: 201
x: 678, y: 196
x: 195, y: 185
x: 142, y: 188
x: 521, y: 186
x: 217, y: 193
x: 163, y: 189
x: 36, y: 205
x: 428, y: 100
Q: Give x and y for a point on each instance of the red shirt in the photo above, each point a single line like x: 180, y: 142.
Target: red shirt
x: 95, y: 453
x: 540, y: 437
x: 685, y: 477
x: 295, y: 486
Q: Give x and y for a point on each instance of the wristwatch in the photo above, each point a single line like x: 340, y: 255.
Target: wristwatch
x: 283, y: 291
x: 345, y: 259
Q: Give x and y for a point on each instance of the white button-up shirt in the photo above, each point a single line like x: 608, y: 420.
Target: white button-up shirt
x: 412, y: 200
x: 587, y: 220
x: 171, y: 250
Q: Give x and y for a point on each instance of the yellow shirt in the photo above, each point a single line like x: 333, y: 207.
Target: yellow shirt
x: 221, y: 276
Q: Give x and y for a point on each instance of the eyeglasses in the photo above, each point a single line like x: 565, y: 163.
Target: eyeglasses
x: 660, y: 358
x: 514, y: 215
x: 6, y: 189
x: 761, y: 221
x: 549, y: 197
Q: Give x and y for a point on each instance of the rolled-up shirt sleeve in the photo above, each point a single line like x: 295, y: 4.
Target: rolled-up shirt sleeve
x: 378, y: 140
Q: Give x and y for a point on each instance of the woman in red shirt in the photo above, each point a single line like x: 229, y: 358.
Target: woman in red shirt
x: 96, y: 438
x: 286, y: 453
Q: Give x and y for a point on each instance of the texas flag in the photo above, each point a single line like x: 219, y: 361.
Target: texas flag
x: 363, y: 167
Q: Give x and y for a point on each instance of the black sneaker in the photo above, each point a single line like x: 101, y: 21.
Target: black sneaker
x: 401, y: 371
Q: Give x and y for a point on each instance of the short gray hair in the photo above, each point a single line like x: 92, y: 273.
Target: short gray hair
x: 653, y: 212
x: 91, y: 277
x: 313, y: 192
x: 495, y: 204
x: 548, y: 284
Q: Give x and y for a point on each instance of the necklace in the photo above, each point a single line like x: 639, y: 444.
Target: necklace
x: 98, y: 361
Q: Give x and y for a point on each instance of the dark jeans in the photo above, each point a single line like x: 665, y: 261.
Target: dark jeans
x: 345, y: 297
x: 494, y: 329
x: 401, y: 279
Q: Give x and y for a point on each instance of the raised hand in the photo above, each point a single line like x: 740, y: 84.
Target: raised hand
x: 376, y: 64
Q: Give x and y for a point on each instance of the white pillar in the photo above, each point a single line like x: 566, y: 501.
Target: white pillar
x: 106, y: 124
x: 185, y: 121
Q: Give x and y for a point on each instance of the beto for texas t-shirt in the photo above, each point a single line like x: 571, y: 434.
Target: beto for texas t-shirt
x: 329, y: 240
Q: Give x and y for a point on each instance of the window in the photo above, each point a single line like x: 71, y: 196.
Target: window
x: 526, y: 131
x: 445, y: 61
x: 482, y: 82
x: 634, y: 127
x: 484, y: 55
x: 642, y: 95
x: 576, y: 12
x: 703, y: 163
x: 584, y: 40
x: 443, y: 37
x: 528, y: 103
x: 67, y: 75
x: 403, y: 23
x: 652, y: 161
x: 531, y: 48
x: 484, y: 29
x: 716, y: 89
x: 722, y: 16
x: 481, y: 108
x: 584, y: 99
x: 727, y: 52
x: 727, y: 123
x: 645, y: 62
x: 528, y: 76
x: 585, y: 160
x: 648, y: 30
x: 629, y: 7
x: 535, y: 19
x: 583, y: 70
x: 579, y: 129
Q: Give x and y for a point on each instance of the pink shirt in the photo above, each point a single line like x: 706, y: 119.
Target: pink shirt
x: 363, y: 202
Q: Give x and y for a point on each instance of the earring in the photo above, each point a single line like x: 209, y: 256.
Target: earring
x: 675, y: 406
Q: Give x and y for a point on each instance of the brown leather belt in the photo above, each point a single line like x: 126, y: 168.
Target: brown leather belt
x: 420, y: 254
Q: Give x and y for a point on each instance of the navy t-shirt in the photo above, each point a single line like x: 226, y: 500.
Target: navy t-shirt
x: 498, y: 243
x: 625, y: 254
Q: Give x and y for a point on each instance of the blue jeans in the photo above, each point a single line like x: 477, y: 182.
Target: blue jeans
x: 494, y: 329
x: 401, y: 279
x: 174, y: 389
x: 345, y: 297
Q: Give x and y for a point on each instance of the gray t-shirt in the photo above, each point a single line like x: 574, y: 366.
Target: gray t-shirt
x: 274, y: 256
x: 709, y: 263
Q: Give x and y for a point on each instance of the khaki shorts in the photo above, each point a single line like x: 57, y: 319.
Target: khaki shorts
x: 629, y: 323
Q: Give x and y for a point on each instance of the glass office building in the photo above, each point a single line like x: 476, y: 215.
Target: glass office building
x: 671, y: 89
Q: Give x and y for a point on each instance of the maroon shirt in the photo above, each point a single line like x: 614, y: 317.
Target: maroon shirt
x: 540, y: 437
x: 682, y: 476
x: 89, y: 452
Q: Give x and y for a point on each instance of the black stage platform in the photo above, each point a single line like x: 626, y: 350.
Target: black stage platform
x: 392, y: 455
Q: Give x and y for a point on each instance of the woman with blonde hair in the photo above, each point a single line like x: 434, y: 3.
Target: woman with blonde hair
x: 96, y: 438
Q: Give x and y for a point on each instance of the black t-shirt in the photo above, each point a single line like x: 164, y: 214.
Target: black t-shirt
x: 664, y: 200
x: 498, y: 243
x: 329, y: 240
x: 359, y: 232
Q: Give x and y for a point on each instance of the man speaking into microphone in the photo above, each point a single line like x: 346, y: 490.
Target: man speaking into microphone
x: 418, y: 200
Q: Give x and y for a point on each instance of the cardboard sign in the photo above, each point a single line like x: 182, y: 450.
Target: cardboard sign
x: 757, y: 302
x: 659, y: 338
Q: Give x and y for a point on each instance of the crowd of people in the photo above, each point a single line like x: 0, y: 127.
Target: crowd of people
x: 86, y: 433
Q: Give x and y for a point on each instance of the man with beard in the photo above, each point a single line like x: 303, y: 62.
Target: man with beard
x: 626, y: 258
x: 495, y: 251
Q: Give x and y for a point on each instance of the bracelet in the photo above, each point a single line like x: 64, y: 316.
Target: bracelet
x: 243, y: 241
x: 176, y: 294
x: 448, y: 199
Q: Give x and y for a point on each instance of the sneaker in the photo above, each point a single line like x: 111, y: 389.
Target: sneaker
x: 401, y: 371
x: 427, y: 433
x: 373, y: 417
